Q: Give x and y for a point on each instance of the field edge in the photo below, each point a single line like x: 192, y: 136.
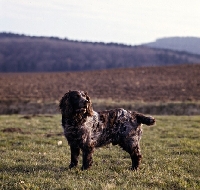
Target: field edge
x: 8, y: 107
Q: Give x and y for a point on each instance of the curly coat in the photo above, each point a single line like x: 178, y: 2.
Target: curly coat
x: 86, y: 129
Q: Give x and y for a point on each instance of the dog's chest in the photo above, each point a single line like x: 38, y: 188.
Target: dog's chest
x: 93, y: 126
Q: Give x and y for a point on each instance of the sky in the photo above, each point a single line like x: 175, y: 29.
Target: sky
x: 130, y: 22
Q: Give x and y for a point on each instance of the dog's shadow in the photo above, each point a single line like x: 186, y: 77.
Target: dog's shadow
x: 13, y: 170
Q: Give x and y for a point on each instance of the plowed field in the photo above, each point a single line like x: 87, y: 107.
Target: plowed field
x: 172, y: 83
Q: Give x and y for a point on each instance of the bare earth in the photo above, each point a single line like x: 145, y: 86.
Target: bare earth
x: 172, y: 83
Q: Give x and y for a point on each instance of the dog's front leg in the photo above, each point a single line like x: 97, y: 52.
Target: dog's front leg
x: 87, y: 158
x: 75, y: 151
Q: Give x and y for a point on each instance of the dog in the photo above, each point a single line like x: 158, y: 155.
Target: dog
x: 86, y: 129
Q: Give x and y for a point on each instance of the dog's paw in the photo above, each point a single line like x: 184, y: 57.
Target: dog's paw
x: 134, y: 168
x: 72, y: 165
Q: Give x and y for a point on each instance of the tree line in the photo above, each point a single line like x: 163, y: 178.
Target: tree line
x: 20, y: 53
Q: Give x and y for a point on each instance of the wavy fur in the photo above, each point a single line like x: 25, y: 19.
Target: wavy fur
x: 86, y: 129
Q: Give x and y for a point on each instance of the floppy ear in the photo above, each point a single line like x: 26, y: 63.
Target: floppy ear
x: 89, y: 110
x: 65, y: 105
x: 87, y: 97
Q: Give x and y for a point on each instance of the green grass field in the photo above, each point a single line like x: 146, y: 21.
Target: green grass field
x: 33, y: 158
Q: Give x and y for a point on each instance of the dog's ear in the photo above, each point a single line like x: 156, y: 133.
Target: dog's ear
x: 65, y: 105
x: 87, y: 97
x: 89, y: 108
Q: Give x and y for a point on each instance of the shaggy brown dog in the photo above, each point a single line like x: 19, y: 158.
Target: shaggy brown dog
x: 86, y: 129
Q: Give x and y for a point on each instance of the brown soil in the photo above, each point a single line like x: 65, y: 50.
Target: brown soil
x: 172, y: 83
x: 12, y: 130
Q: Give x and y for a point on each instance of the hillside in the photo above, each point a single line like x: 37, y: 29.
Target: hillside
x: 20, y: 53
x: 187, y: 44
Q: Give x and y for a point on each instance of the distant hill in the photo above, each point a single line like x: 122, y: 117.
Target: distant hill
x: 20, y: 53
x: 188, y: 44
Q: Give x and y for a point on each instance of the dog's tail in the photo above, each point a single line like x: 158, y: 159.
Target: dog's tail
x: 147, y: 120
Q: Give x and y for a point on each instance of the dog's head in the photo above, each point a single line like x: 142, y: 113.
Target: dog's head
x: 76, y: 102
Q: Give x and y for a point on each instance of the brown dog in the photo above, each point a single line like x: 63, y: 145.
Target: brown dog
x: 86, y: 129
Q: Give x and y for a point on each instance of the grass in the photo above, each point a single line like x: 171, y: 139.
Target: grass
x: 51, y: 107
x: 155, y: 108
x: 31, y: 160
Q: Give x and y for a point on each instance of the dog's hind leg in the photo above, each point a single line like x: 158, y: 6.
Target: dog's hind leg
x: 136, y: 158
x: 75, y: 151
x: 134, y: 152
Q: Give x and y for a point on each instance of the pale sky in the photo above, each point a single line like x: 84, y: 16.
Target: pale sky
x: 121, y: 21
